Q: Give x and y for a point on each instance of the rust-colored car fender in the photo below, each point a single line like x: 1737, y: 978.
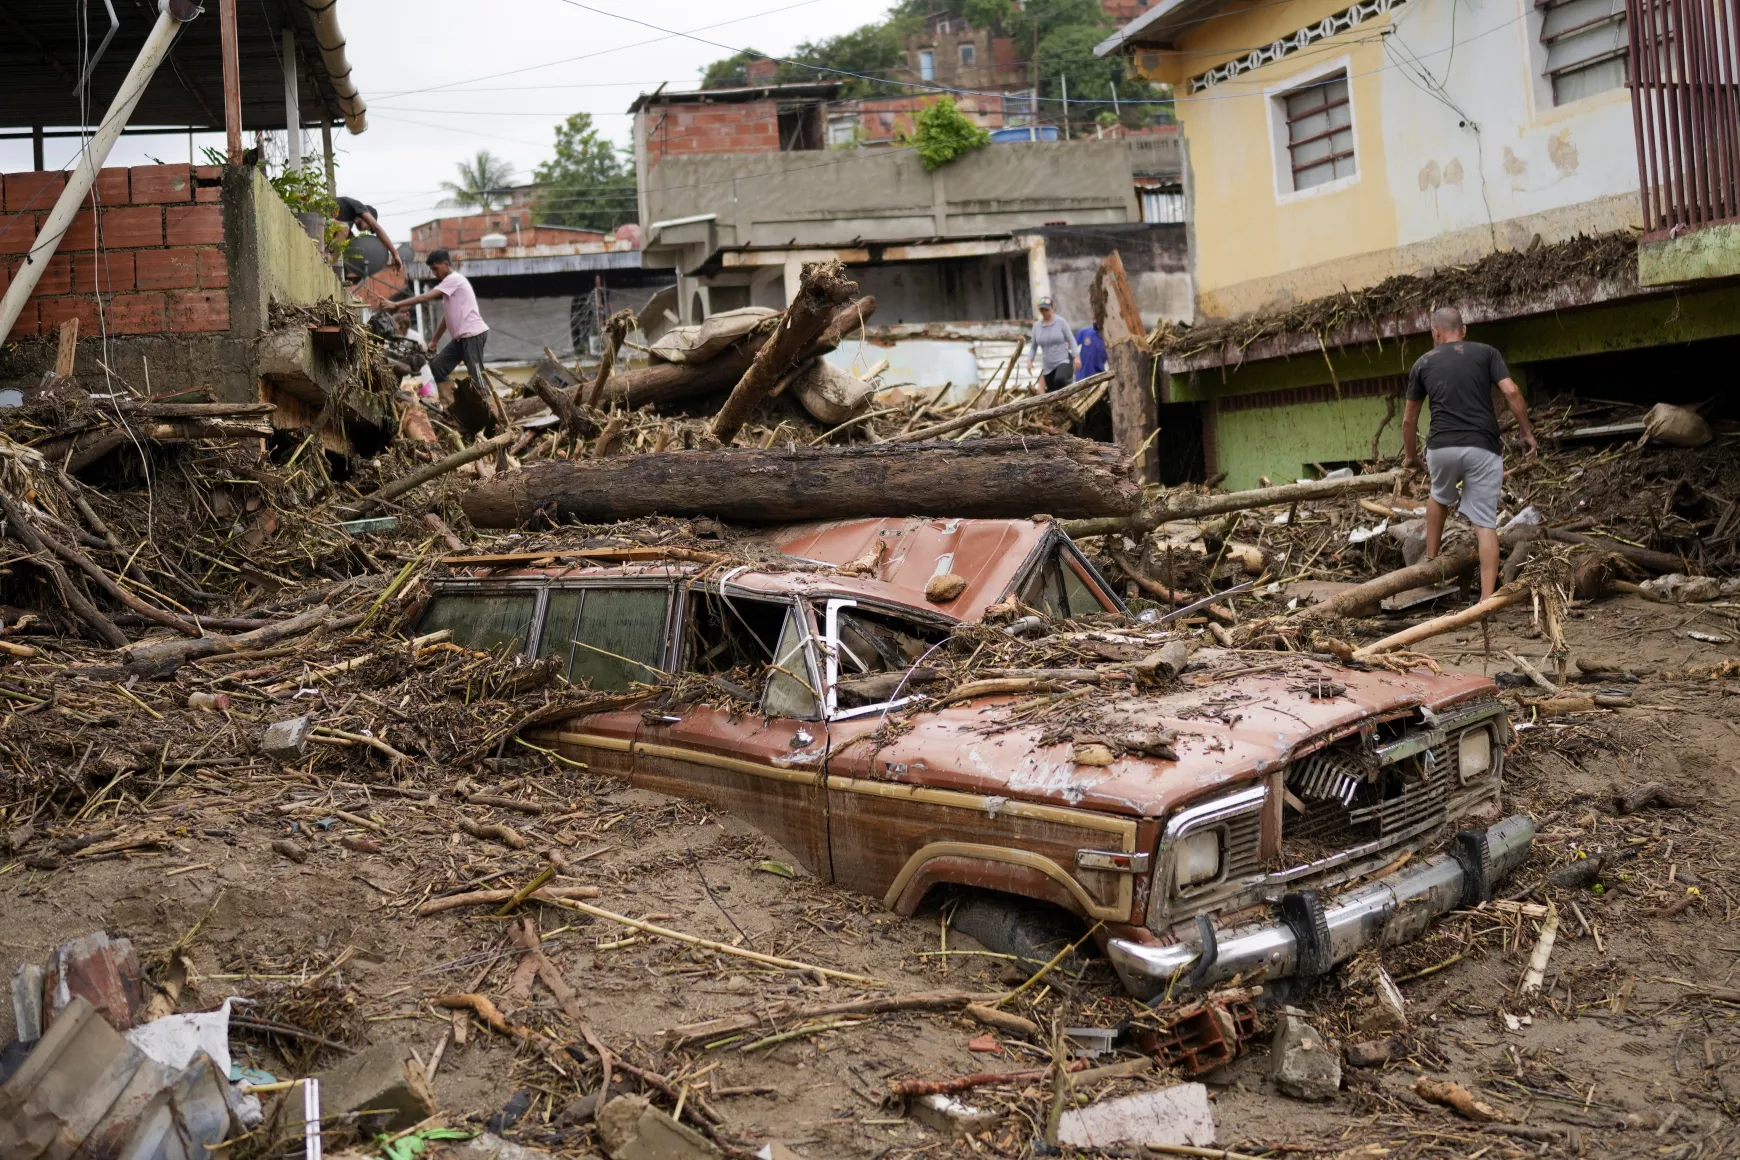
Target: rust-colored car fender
x: 1001, y: 868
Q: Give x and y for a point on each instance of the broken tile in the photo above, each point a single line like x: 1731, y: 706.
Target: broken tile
x: 1169, y: 1117
x: 104, y: 971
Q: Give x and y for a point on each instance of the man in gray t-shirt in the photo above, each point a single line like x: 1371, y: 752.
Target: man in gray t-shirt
x: 1053, y: 344
x: 1463, y: 455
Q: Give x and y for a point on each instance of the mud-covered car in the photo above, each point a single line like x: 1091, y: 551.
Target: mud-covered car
x: 1297, y: 810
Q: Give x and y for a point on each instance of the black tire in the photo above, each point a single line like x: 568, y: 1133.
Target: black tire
x: 1031, y: 931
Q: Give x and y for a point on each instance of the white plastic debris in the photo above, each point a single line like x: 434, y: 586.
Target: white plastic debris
x: 1529, y: 517
x: 1361, y: 535
x: 175, y: 1039
x: 1170, y: 1117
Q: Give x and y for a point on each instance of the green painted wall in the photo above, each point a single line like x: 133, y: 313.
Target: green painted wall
x: 1709, y: 252
x: 1281, y: 442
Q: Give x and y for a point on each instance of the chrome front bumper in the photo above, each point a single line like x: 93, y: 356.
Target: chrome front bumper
x: 1309, y: 937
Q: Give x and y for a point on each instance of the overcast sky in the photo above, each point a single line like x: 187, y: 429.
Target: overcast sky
x: 445, y: 78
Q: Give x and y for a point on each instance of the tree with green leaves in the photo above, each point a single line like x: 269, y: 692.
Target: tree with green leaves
x: 869, y: 51
x: 588, y: 183
x: 484, y: 183
x: 944, y: 133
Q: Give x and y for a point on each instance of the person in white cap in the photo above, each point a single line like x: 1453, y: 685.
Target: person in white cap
x: 1053, y: 344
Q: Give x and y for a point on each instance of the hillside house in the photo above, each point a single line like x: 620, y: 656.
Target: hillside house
x: 1330, y: 147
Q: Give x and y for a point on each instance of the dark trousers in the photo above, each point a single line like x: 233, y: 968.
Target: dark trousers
x: 1059, y: 377
x: 471, y: 408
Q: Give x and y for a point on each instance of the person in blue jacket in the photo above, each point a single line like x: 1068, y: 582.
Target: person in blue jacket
x: 1093, y: 352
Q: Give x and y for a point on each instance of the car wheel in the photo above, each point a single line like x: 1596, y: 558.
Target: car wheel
x: 1031, y: 931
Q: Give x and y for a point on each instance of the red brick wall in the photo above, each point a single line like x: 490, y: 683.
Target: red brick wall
x: 162, y: 267
x: 453, y: 233
x: 674, y: 130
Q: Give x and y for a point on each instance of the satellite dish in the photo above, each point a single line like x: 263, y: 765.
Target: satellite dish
x: 366, y: 255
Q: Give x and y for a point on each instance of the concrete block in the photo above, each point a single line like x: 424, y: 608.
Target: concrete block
x: 1168, y: 1117
x: 1302, y: 1062
x: 949, y: 1116
x: 632, y: 1129
x: 381, y: 1089
x: 102, y: 971
x: 285, y: 740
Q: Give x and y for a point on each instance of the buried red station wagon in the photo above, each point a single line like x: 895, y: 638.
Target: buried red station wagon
x: 1250, y: 850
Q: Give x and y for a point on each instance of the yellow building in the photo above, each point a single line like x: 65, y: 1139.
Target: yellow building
x: 1330, y: 147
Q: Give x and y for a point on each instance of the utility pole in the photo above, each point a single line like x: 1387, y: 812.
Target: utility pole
x: 1063, y: 79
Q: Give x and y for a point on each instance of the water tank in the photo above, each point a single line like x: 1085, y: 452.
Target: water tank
x: 1024, y: 133
x: 493, y: 241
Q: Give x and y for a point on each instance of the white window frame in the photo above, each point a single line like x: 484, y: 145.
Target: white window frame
x: 968, y: 53
x: 927, y: 64
x: 1281, y: 157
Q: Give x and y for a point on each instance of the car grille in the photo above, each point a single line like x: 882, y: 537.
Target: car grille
x: 1351, y: 802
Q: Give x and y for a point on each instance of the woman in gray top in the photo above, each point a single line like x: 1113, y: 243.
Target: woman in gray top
x: 1053, y: 344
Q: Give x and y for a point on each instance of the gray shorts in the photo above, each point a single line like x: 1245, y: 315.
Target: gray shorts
x: 1479, y: 472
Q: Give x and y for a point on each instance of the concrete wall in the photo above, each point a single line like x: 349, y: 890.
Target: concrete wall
x: 1442, y: 177
x: 859, y: 196
x: 1156, y: 260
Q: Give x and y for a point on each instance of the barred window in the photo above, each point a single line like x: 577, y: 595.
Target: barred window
x: 1320, y: 131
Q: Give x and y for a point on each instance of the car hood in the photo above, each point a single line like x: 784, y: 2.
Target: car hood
x: 1235, y: 719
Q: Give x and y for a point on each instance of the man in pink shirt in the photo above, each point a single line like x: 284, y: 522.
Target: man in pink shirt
x: 461, y: 318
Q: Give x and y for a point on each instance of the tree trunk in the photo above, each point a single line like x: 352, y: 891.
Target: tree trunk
x: 1135, y: 411
x: 1189, y: 506
x: 823, y: 289
x: 985, y: 478
x: 663, y: 384
x: 1441, y: 570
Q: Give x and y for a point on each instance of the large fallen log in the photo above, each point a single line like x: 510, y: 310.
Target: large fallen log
x: 1186, y: 505
x: 398, y: 487
x: 666, y: 383
x: 823, y: 289
x: 1642, y: 557
x: 987, y: 478
x: 1440, y: 570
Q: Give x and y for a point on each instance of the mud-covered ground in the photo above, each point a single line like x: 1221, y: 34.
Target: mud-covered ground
x: 1634, y: 1026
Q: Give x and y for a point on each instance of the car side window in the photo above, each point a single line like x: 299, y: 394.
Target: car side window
x: 752, y: 649
x: 877, y: 654
x: 613, y: 638
x: 497, y: 623
x: 1057, y: 590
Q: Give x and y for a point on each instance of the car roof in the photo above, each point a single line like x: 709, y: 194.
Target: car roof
x: 888, y: 560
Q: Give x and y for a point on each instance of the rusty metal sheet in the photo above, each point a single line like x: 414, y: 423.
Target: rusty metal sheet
x: 1229, y: 731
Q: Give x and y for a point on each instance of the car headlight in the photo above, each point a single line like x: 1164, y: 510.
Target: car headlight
x: 1197, y: 859
x: 1474, y: 754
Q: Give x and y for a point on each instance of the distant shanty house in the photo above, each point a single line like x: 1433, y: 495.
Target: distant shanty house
x: 738, y: 189
x: 1331, y: 147
x: 537, y: 285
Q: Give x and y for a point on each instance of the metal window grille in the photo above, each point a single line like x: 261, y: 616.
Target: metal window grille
x: 1685, y: 107
x: 1320, y: 131
x: 1586, y: 47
